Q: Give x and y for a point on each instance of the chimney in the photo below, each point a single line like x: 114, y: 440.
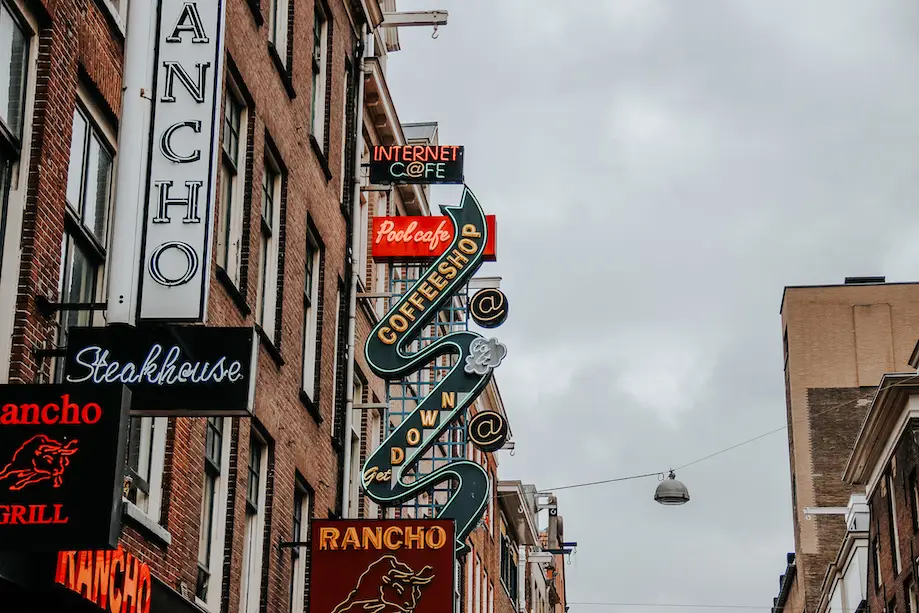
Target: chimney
x: 865, y: 280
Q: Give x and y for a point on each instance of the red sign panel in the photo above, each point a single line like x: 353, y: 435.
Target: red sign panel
x: 114, y: 581
x: 384, y: 566
x: 421, y: 237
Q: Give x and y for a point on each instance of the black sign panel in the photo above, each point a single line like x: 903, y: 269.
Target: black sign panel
x: 416, y: 164
x: 62, y: 455
x: 488, y: 307
x: 171, y: 370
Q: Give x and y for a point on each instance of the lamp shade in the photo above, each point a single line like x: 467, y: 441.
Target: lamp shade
x: 671, y: 491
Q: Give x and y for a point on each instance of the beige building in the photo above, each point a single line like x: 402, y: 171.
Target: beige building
x: 839, y: 340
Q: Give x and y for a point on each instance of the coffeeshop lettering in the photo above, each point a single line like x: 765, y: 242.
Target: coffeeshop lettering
x: 114, y: 581
x: 416, y: 164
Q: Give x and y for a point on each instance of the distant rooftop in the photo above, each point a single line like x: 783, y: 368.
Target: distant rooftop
x: 425, y: 132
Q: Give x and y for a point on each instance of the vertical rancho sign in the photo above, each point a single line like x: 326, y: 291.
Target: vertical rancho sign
x: 62, y: 454
x: 179, y: 209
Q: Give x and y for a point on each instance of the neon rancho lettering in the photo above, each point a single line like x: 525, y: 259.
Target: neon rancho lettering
x: 159, y: 367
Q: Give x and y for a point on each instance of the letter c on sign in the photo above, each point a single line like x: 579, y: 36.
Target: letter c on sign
x: 166, y: 143
x: 191, y: 267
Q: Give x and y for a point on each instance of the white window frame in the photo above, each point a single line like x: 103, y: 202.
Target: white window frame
x: 151, y: 454
x: 320, y: 69
x: 375, y: 434
x: 344, y: 130
x: 233, y: 177
x: 897, y: 558
x: 254, y: 534
x: 16, y: 196
x: 354, y: 488
x: 270, y: 232
x: 335, y: 359
x: 298, y: 565
x: 309, y: 380
x: 211, y: 601
x: 278, y: 11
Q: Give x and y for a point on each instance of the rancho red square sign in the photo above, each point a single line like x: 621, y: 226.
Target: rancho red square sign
x: 384, y: 566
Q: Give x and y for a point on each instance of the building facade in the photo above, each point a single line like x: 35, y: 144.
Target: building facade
x: 838, y: 342
x: 209, y: 503
x: 884, y: 462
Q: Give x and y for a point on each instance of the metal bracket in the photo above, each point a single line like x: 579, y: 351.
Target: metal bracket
x: 414, y: 18
x: 286, y: 544
x: 48, y: 308
x: 363, y: 406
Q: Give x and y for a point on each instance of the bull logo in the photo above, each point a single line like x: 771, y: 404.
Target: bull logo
x: 38, y: 459
x: 387, y: 586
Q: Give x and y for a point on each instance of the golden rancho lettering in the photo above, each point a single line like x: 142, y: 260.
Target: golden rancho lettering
x: 392, y: 538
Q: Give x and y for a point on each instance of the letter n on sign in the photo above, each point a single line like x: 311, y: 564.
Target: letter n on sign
x: 178, y: 227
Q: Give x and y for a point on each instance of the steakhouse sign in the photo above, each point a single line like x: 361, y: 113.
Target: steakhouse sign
x: 62, y: 451
x: 384, y: 566
x: 179, y: 207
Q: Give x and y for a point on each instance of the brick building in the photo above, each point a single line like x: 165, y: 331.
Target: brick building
x: 884, y: 461
x: 838, y: 341
x: 208, y: 501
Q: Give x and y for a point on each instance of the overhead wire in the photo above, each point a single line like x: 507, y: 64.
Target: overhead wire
x: 660, y: 473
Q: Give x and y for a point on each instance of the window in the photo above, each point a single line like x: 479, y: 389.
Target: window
x: 300, y: 533
x: 375, y: 435
x: 146, y: 453
x: 914, y: 502
x: 213, y: 505
x: 476, y: 585
x: 356, y: 420
x: 344, y: 129
x: 876, y: 560
x: 892, y: 522
x: 310, y: 315
x: 89, y: 190
x: 253, y: 540
x: 14, y: 64
x: 911, y: 596
x: 320, y: 62
x: 230, y: 220
x: 277, y: 28
x: 363, y: 230
x: 892, y: 605
x: 508, y: 566
x: 271, y: 223
x: 335, y: 377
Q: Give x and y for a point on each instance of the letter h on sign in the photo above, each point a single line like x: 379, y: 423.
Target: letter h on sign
x: 176, y: 249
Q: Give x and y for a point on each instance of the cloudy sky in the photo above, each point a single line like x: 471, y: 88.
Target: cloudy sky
x: 660, y: 170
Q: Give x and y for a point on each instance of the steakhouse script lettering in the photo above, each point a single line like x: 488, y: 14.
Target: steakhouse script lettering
x: 158, y: 368
x: 420, y: 430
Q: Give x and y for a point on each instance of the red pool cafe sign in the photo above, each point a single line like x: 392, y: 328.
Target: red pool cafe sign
x: 421, y: 237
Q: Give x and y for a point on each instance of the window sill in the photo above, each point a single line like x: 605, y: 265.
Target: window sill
x: 238, y: 299
x: 112, y: 16
x: 320, y: 155
x: 269, y: 346
x: 311, y: 407
x: 255, y: 7
x: 283, y: 71
x: 155, y: 532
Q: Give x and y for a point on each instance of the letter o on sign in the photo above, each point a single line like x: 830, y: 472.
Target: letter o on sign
x: 191, y: 264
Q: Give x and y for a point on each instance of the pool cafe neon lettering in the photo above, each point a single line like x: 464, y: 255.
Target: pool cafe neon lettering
x: 392, y: 538
x: 431, y: 287
x: 114, y: 581
x: 181, y: 185
x: 421, y: 237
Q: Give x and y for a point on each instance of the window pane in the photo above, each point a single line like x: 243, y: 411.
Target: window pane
x: 14, y: 48
x: 79, y: 281
x: 98, y: 186
x: 231, y: 117
x: 75, y: 170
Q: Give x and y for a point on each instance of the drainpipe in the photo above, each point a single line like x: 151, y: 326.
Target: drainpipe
x: 521, y: 578
x: 352, y: 293
x: 131, y: 176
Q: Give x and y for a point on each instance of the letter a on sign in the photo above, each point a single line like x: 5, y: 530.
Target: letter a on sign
x: 178, y: 227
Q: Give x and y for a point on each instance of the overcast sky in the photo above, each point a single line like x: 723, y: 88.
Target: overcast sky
x: 660, y: 170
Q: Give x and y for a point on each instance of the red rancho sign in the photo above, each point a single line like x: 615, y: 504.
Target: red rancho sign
x: 115, y: 581
x: 421, y: 237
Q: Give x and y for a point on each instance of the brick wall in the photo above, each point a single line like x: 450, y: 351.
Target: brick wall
x: 894, y: 585
x: 79, y: 43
